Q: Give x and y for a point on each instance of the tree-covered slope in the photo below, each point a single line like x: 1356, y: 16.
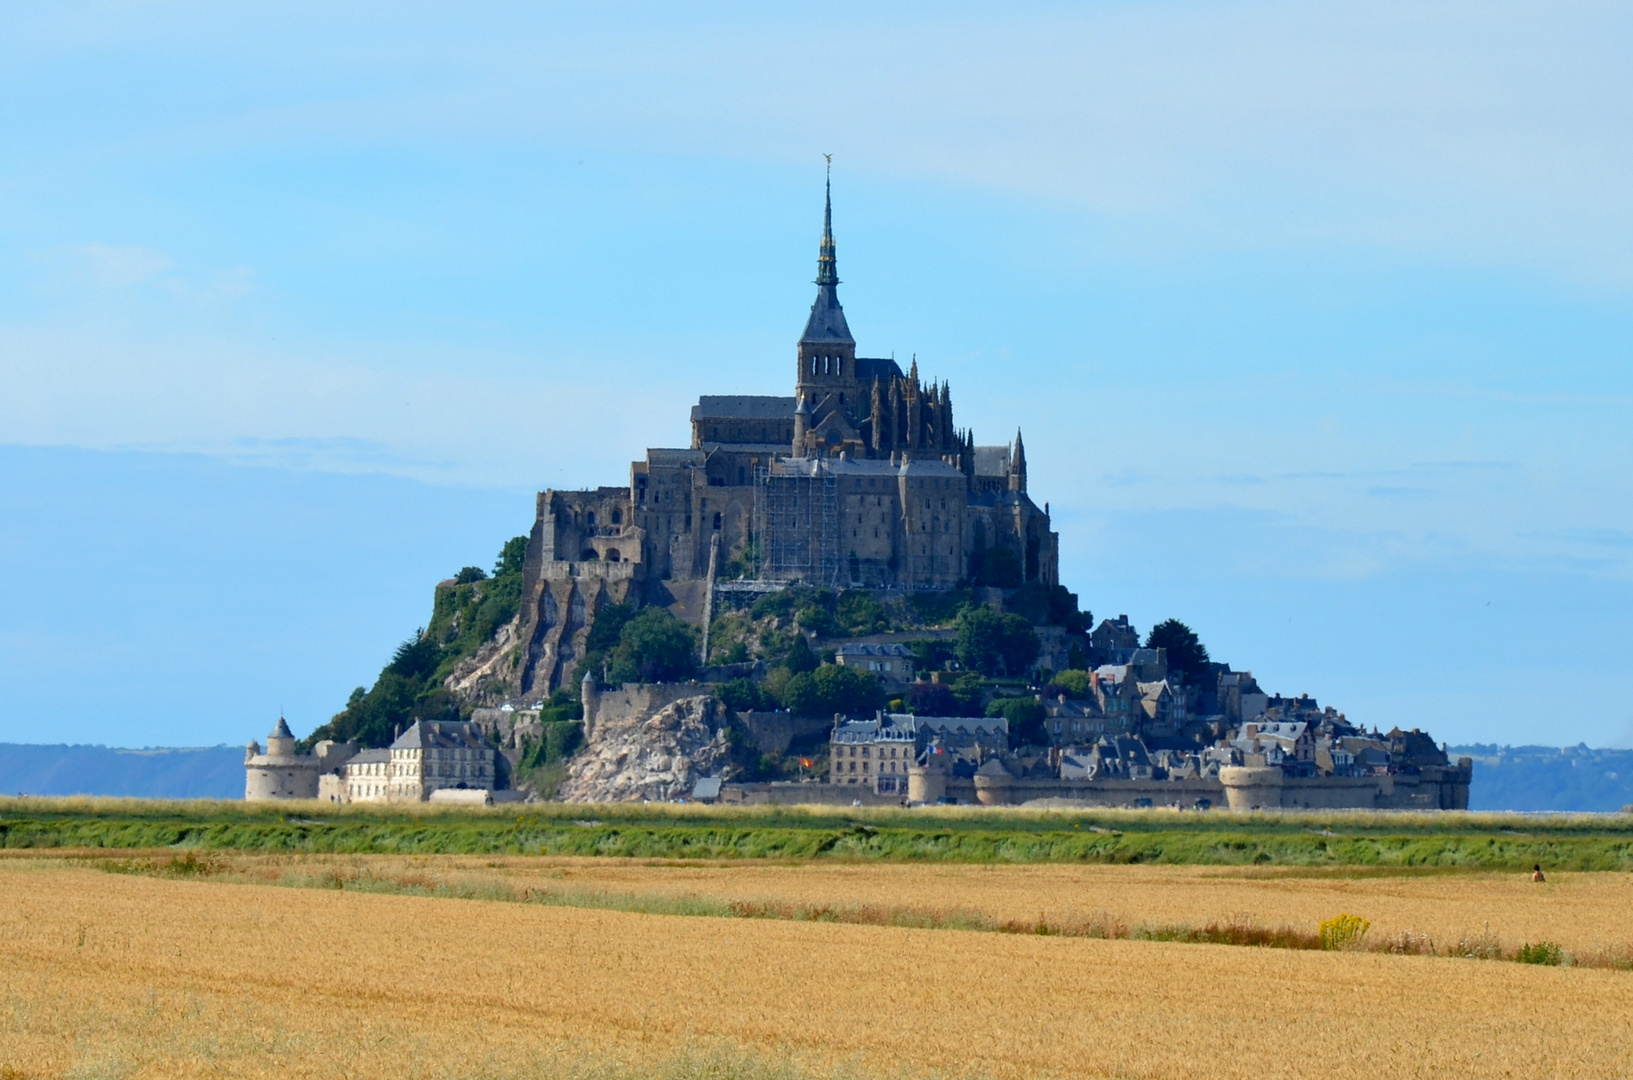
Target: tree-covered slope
x: 468, y: 611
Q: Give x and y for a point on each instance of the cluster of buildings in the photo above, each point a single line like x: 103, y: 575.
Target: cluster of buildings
x: 434, y: 761
x: 1136, y: 735
x: 861, y: 478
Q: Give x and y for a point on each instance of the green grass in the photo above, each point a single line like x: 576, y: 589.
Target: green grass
x: 1396, y: 841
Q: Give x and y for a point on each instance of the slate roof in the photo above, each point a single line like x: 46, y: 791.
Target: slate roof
x: 865, y: 648
x: 827, y: 322
x: 898, y: 728
x: 992, y: 461
x: 440, y: 735
x: 369, y: 757
x: 281, y: 731
x: 869, y: 368
x: 674, y: 457
x: 743, y: 407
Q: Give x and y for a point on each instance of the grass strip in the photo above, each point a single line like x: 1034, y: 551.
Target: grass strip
x: 1446, y: 842
x: 1240, y: 933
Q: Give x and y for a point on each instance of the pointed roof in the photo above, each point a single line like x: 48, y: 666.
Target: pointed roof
x: 1018, y: 460
x: 827, y: 322
x: 281, y: 731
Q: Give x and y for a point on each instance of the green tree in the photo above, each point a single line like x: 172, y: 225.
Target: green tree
x: 1025, y: 716
x: 860, y: 613
x: 744, y: 695
x: 816, y: 619
x: 799, y: 658
x: 511, y: 557
x: 1186, y: 653
x: 1071, y: 682
x: 833, y: 688
x: 994, y: 643
x: 654, y: 646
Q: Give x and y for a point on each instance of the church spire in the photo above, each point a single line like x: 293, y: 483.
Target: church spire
x: 1017, y: 465
x: 827, y: 326
x: 827, y: 266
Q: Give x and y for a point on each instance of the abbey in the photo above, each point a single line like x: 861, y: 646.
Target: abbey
x: 861, y: 479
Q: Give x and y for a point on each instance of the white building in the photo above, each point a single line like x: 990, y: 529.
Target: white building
x: 435, y: 754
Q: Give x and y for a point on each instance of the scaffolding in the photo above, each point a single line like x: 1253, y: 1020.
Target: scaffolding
x: 796, y: 521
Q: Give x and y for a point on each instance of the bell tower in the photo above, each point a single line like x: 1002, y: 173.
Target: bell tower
x: 827, y: 352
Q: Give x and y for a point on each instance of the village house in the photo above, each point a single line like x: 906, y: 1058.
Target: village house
x: 891, y: 662
x: 433, y: 755
x: 874, y: 753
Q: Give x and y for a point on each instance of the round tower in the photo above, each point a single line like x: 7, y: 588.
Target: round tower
x: 281, y: 742
x: 1255, y: 787
x: 802, y: 424
x: 589, y: 695
x: 927, y: 782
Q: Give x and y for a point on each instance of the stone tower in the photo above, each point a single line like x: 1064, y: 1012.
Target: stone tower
x: 827, y: 352
x: 281, y: 743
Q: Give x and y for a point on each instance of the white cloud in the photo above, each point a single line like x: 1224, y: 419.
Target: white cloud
x: 108, y: 266
x: 335, y: 413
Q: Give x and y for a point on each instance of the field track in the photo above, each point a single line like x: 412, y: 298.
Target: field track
x: 131, y: 976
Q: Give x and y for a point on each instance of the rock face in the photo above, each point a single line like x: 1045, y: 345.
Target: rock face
x: 655, y: 756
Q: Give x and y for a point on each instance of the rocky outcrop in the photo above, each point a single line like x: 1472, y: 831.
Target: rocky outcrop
x: 651, y: 755
x: 487, y: 676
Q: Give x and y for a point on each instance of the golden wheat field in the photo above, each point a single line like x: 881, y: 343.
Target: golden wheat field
x: 1581, y: 912
x: 129, y: 976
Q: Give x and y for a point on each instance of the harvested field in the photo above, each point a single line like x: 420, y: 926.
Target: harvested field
x: 132, y: 976
x: 1584, y: 913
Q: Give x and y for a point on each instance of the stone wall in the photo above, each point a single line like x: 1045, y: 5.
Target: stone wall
x: 797, y: 794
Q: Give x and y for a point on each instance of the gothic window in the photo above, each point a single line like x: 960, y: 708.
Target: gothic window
x: 590, y: 518
x: 617, y: 517
x: 717, y: 521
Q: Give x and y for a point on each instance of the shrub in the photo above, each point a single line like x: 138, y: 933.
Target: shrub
x: 995, y: 644
x: 744, y: 695
x: 654, y: 646
x: 860, y: 613
x: 833, y: 688
x: 1343, y: 932
x: 936, y: 607
x: 1071, y: 682
x: 931, y: 654
x: 469, y: 575
x: 818, y: 620
x: 1541, y: 952
x: 931, y: 699
x: 970, y: 691
x: 1025, y: 716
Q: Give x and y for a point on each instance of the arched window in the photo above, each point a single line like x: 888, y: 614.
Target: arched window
x: 590, y: 518
x: 617, y: 517
x: 717, y: 521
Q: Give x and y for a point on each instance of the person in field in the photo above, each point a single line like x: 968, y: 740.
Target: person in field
x: 1536, y: 873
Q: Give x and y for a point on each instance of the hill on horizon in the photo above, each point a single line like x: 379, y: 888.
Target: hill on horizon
x: 197, y: 772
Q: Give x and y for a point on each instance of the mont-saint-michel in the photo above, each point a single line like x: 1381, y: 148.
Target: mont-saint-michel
x: 833, y: 596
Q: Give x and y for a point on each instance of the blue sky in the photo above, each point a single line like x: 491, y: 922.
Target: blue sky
x: 1317, y: 319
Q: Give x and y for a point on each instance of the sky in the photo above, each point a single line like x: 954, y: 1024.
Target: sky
x: 1317, y: 320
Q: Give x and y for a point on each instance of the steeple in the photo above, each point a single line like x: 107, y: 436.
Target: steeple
x: 827, y: 352
x: 1017, y: 465
x: 827, y: 267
